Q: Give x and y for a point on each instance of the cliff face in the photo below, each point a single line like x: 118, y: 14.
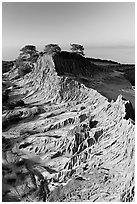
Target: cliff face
x: 73, y: 65
x: 68, y: 142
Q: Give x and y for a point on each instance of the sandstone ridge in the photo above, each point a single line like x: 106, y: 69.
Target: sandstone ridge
x: 67, y: 142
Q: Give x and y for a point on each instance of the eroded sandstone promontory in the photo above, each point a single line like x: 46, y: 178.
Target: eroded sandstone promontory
x: 65, y: 141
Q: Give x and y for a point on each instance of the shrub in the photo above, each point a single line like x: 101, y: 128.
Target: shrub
x: 52, y: 49
x: 28, y: 50
x: 27, y: 57
x: 79, y: 49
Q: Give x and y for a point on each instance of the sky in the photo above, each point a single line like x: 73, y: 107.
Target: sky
x: 98, y: 26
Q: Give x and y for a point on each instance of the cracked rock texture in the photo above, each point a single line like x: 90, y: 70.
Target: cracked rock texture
x: 65, y: 141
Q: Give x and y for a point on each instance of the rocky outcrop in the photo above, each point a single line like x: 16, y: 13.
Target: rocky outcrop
x: 70, y: 142
x: 6, y: 66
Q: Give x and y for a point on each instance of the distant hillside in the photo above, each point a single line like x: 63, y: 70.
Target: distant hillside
x: 102, y: 62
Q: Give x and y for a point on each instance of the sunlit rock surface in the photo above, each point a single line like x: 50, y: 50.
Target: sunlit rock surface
x: 67, y: 142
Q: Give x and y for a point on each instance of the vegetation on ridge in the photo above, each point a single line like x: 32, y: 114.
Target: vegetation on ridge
x: 52, y: 49
x: 79, y: 49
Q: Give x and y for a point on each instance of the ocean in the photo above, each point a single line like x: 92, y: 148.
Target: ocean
x: 124, y: 55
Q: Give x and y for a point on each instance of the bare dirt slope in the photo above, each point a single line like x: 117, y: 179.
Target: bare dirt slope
x: 66, y: 142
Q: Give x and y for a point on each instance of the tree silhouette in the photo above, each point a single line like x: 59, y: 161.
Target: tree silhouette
x: 79, y: 49
x: 27, y: 57
x: 28, y: 50
x: 52, y: 48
